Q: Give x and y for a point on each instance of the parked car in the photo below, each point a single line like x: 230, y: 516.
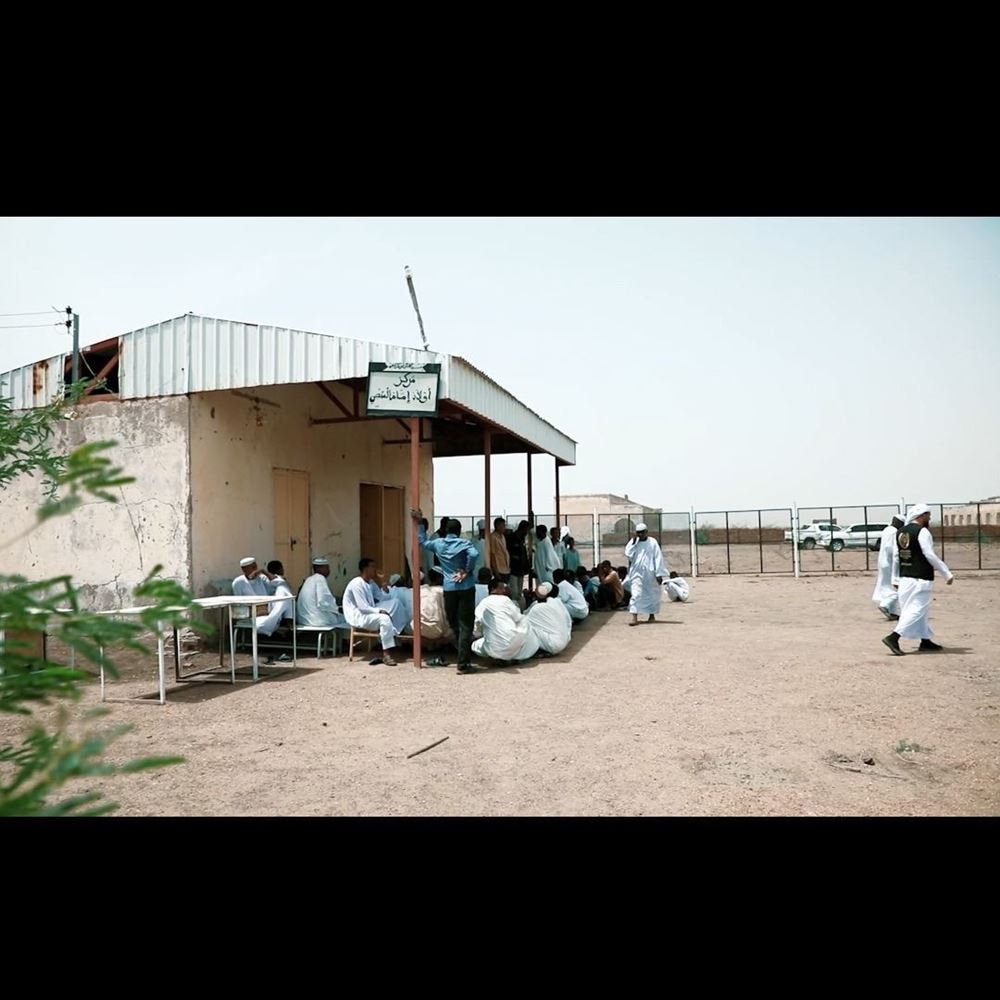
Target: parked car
x: 854, y: 536
x: 809, y: 535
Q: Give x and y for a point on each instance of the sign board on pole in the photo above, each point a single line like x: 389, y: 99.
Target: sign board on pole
x: 402, y: 389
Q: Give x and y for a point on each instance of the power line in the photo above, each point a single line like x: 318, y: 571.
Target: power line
x: 30, y: 326
x: 45, y: 313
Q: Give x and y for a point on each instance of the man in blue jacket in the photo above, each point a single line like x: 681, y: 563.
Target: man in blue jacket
x: 458, y: 557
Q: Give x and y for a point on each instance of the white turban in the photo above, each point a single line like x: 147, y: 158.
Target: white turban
x: 543, y: 589
x: 564, y: 531
x: 915, y: 511
x: 641, y: 526
x: 394, y: 579
x: 247, y: 561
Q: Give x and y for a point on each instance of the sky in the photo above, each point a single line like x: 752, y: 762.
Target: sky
x: 714, y: 363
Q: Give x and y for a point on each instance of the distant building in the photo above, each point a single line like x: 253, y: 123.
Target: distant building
x: 986, y: 512
x: 603, y: 503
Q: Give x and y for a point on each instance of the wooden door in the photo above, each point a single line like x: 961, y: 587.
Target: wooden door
x: 371, y: 523
x: 291, y: 524
x: 393, y: 543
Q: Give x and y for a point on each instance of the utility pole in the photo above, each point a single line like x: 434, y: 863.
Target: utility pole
x: 73, y: 321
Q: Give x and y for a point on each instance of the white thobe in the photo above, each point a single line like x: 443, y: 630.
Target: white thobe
x: 279, y: 610
x: 546, y: 560
x: 645, y: 565
x: 362, y: 611
x: 384, y: 599
x: 506, y: 632
x: 915, y: 595
x: 551, y: 623
x: 317, y: 606
x: 482, y: 592
x: 404, y: 598
x: 884, y: 595
x: 677, y: 589
x: 242, y: 587
x: 576, y: 603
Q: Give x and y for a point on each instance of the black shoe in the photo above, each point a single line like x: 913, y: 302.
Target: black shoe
x: 929, y: 646
x: 466, y: 668
x: 893, y: 643
x: 887, y: 615
x: 894, y: 618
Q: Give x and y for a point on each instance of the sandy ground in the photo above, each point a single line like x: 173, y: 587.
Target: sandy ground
x: 761, y: 696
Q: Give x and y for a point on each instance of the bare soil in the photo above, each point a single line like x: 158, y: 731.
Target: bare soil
x: 761, y: 696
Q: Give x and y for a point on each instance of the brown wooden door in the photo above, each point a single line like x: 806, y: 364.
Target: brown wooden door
x: 371, y: 522
x: 392, y: 531
x: 291, y: 524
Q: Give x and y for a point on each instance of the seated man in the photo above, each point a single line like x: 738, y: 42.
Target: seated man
x: 362, y: 611
x: 591, y: 584
x: 676, y: 588
x: 610, y: 592
x: 435, y: 628
x: 506, y: 634
x: 255, y: 582
x: 317, y: 605
x: 549, y: 620
x: 404, y: 598
x: 483, y: 578
x: 576, y: 603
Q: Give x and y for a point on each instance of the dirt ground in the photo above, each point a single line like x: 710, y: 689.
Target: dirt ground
x: 761, y: 696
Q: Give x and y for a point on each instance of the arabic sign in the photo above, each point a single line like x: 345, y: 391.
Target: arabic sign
x: 402, y: 390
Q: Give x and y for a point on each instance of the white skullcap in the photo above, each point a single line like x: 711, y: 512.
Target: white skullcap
x: 564, y: 531
x: 641, y: 526
x: 247, y: 561
x: 394, y: 579
x: 543, y: 589
x: 320, y: 561
x: 915, y: 511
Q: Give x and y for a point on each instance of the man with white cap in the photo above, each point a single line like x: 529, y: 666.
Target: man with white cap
x: 884, y: 595
x: 676, y: 588
x: 252, y: 582
x: 362, y: 611
x: 317, y: 606
x: 914, y: 566
x: 505, y: 633
x: 549, y: 620
x: 646, y: 570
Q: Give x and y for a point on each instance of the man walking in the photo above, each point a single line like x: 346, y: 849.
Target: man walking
x: 884, y: 595
x: 915, y: 564
x: 645, y: 574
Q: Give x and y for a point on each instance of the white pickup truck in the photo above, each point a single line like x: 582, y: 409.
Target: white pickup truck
x: 809, y: 534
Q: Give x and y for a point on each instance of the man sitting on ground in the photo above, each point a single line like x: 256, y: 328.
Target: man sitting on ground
x: 506, y: 634
x: 549, y: 620
x: 435, y: 629
x: 610, y: 592
x: 362, y: 612
x: 576, y: 603
x: 676, y: 588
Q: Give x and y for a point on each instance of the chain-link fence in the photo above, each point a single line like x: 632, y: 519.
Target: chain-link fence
x: 833, y: 539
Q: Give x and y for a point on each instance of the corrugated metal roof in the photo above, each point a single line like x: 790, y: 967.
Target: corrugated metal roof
x: 199, y: 354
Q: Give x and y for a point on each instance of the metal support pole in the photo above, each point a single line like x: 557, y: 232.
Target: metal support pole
x: 487, y: 455
x: 760, y: 541
x: 796, y: 560
x: 597, y: 538
x: 979, y: 531
x: 729, y: 568
x: 530, y: 540
x: 414, y: 536
x: 76, y: 348
x: 558, y: 509
x: 694, y: 544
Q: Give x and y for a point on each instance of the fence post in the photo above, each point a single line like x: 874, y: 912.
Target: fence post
x: 979, y: 532
x: 865, y: 508
x: 760, y: 541
x: 694, y: 545
x: 729, y: 566
x: 597, y: 540
x: 795, y: 540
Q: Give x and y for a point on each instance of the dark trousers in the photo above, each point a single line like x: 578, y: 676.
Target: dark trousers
x: 460, y: 607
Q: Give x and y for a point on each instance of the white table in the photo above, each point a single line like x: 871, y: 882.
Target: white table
x: 228, y: 601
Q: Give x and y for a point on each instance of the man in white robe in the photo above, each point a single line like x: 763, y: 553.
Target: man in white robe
x: 362, y: 611
x: 549, y: 620
x: 546, y: 560
x: 884, y: 595
x: 676, y: 588
x: 646, y: 570
x: 576, y: 603
x: 257, y: 582
x: 382, y: 597
x: 506, y: 634
x: 914, y: 567
x: 403, y: 596
x: 316, y: 605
